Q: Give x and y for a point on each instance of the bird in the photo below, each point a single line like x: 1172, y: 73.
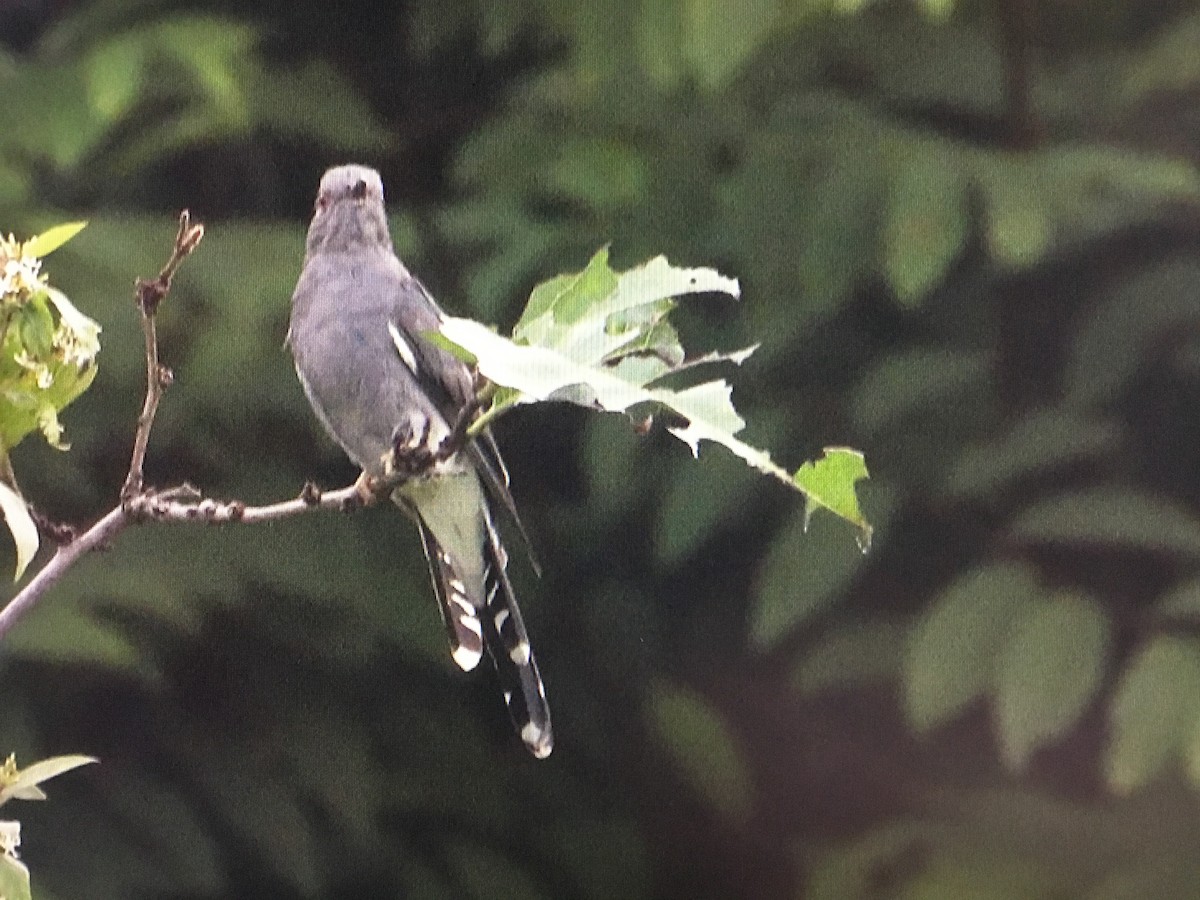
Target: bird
x: 396, y: 402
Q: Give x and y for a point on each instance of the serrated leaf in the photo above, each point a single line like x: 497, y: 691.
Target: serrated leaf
x: 1153, y: 712
x: 703, y: 747
x: 1049, y: 674
x: 1113, y: 517
x: 829, y: 483
x: 952, y: 651
x: 20, y: 525
x: 51, y: 239
x: 574, y: 328
x: 24, y: 786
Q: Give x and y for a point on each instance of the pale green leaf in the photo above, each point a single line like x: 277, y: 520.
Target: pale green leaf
x: 1154, y: 712
x: 704, y: 748
x: 14, y: 879
x: 578, y: 322
x: 25, y: 785
x: 1049, y: 673
x: 20, y: 524
x: 52, y: 238
x: 953, y: 648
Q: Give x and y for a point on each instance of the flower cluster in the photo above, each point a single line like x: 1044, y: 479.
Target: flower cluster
x: 20, y: 272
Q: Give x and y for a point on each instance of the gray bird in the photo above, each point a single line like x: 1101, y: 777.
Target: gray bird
x: 389, y: 396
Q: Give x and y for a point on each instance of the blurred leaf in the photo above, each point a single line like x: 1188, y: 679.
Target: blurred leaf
x: 1112, y: 517
x: 1168, y: 64
x: 1039, y: 442
x: 51, y: 239
x: 805, y: 570
x: 701, y: 501
x: 20, y: 524
x: 1019, y: 227
x: 1182, y: 601
x: 981, y: 875
x: 906, y: 383
x: 1133, y: 319
x: 710, y: 41
x: 850, y: 657
x: 1155, y: 709
x: 703, y: 746
x: 926, y: 226
x: 954, y: 649
x: 482, y: 872
x: 1049, y: 674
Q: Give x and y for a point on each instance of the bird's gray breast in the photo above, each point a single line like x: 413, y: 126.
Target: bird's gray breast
x: 353, y: 371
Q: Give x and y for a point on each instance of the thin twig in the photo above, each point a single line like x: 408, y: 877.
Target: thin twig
x: 149, y: 295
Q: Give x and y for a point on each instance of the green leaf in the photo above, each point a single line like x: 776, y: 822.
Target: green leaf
x: 1044, y: 439
x: 1112, y: 517
x: 704, y: 748
x: 1181, y: 602
x: 1153, y: 713
x: 953, y: 648
x: 906, y: 384
x: 51, y: 239
x: 829, y: 483
x: 1049, y: 674
x: 1019, y: 228
x: 24, y: 784
x: 14, y: 877
x: 20, y: 524
x: 805, y: 570
x: 850, y: 657
x: 926, y: 225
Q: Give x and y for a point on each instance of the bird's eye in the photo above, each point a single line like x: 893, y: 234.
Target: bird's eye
x: 322, y: 202
x: 359, y: 190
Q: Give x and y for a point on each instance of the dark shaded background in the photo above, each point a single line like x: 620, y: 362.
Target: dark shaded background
x: 967, y: 236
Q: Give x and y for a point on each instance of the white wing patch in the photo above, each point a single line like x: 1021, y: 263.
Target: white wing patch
x: 403, y: 348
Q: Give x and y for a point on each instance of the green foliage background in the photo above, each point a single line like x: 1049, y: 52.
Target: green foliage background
x: 966, y: 235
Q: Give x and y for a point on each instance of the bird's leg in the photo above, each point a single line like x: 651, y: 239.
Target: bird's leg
x: 456, y: 437
x: 411, y: 454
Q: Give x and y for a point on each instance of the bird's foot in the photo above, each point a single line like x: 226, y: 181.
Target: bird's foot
x: 411, y: 454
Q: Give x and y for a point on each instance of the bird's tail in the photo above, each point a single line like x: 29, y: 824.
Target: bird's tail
x: 499, y: 628
x: 507, y: 643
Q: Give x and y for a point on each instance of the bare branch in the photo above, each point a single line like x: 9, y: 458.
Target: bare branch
x: 149, y: 294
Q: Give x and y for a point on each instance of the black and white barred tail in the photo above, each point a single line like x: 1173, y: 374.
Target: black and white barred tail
x: 499, y: 629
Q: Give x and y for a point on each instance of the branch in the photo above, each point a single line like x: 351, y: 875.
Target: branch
x: 183, y: 503
x: 149, y: 294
